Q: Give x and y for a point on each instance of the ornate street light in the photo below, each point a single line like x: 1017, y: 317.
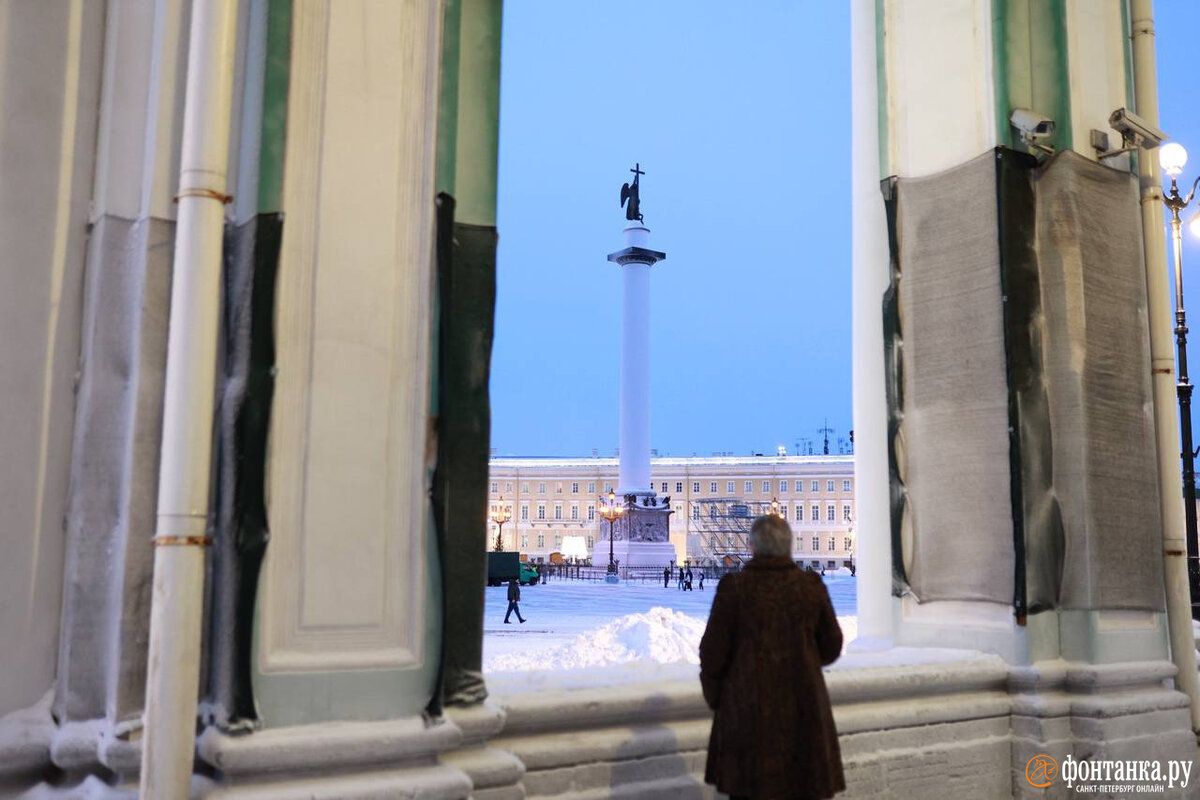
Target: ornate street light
x: 610, y: 510
x: 500, y: 516
x: 1172, y: 158
x: 776, y: 508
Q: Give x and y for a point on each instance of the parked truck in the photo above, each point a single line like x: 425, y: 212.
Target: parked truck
x: 503, y: 567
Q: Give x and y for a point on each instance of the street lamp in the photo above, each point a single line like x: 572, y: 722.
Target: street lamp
x: 776, y: 509
x: 500, y: 516
x: 610, y: 510
x: 1172, y: 158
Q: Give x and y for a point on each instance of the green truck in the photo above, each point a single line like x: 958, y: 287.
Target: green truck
x: 503, y: 567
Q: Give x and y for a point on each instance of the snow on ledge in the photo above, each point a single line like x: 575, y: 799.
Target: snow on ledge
x: 661, y: 646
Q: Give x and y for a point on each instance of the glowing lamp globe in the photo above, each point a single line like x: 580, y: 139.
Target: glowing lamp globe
x: 1172, y: 158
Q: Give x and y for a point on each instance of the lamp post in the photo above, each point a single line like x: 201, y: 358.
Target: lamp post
x: 1172, y: 157
x: 776, y: 509
x: 610, y: 510
x: 500, y: 516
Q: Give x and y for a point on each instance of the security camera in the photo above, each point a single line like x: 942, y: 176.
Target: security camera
x: 1135, y: 130
x: 1032, y: 125
x: 1033, y: 128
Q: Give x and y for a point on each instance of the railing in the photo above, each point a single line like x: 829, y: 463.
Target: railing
x: 596, y: 573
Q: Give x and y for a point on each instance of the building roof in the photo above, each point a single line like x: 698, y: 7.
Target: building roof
x: 666, y: 462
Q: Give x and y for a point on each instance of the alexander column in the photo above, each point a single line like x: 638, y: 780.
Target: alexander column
x: 641, y: 537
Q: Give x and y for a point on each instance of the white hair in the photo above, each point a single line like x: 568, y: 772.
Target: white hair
x: 771, y: 536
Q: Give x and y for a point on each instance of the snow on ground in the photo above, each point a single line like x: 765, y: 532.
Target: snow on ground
x: 587, y: 628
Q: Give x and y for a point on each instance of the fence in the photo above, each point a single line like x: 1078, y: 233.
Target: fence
x: 597, y: 573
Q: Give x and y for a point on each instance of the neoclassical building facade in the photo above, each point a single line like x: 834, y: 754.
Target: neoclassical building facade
x: 712, y: 500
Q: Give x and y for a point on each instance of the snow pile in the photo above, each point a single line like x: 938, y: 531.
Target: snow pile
x: 658, y: 636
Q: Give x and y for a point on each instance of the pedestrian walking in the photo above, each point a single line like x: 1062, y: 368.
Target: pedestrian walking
x: 771, y: 629
x: 514, y: 597
x: 681, y: 578
x: 702, y: 578
x: 687, y: 582
x: 666, y: 577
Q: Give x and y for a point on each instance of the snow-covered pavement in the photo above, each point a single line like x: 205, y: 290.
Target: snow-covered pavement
x: 574, y: 625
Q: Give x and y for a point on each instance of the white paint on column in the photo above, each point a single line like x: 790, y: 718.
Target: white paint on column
x: 635, y: 369
x: 940, y: 92
x: 870, y: 279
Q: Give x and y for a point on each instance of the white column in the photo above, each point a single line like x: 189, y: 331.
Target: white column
x: 870, y: 278
x: 635, y: 369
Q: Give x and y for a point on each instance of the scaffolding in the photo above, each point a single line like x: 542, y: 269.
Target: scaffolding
x: 723, y: 524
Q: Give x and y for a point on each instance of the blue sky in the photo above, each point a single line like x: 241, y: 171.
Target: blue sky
x: 751, y: 309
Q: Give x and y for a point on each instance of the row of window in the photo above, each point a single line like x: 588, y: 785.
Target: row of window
x: 814, y: 512
x: 541, y: 541
x: 730, y: 487
x: 540, y: 538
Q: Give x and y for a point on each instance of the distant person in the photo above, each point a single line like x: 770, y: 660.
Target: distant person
x: 702, y: 578
x: 666, y: 577
x: 687, y: 583
x: 681, y: 578
x: 514, y: 597
x: 771, y: 629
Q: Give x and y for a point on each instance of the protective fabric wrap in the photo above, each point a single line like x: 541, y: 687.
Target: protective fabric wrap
x: 1097, y: 372
x: 1017, y: 350
x: 251, y: 260
x: 466, y: 284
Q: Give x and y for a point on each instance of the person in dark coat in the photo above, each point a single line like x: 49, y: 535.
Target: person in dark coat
x: 771, y: 629
x: 701, y: 577
x: 514, y: 597
x: 687, y: 581
x: 666, y: 577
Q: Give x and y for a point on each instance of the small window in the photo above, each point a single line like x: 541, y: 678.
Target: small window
x: 749, y: 487
x: 766, y: 487
x: 831, y: 544
x: 712, y: 511
x: 592, y: 488
x: 664, y: 487
x: 783, y: 487
x: 845, y: 513
x: 495, y: 487
x: 678, y: 487
x: 847, y: 543
x: 575, y: 487
x: 712, y: 487
x: 574, y: 512
x: 816, y: 544
x: 525, y: 512
x: 524, y: 541
x: 541, y: 541
x: 815, y: 513
x: 816, y: 486
x: 558, y: 512
x: 558, y: 488
x: 799, y: 512
x: 508, y: 487
x: 829, y: 515
x: 541, y: 512
x: 845, y: 486
x: 541, y: 488
x: 695, y: 487
x: 729, y: 487
x: 695, y: 512
x: 829, y: 486
x: 591, y: 513
x: 591, y: 540
x: 524, y: 488
x: 558, y: 541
